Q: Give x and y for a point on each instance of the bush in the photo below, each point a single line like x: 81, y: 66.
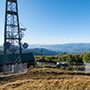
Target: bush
x: 86, y: 58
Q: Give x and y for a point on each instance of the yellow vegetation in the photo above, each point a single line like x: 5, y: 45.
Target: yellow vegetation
x: 46, y: 79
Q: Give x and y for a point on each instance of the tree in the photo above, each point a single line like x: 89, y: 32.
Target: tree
x: 86, y: 58
x: 77, y: 59
x: 69, y: 59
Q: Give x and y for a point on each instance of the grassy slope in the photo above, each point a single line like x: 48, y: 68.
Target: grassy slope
x: 46, y: 79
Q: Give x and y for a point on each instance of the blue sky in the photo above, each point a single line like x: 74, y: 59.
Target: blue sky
x: 52, y: 21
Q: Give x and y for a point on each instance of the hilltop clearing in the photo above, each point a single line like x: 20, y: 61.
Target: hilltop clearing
x: 46, y: 79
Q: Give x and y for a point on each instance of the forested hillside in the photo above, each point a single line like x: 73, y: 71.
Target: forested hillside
x: 70, y: 58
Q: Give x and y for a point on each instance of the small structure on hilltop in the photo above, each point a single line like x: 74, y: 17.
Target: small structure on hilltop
x: 27, y: 61
x: 62, y: 64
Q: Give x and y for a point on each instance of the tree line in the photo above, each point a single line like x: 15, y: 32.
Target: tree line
x: 70, y: 58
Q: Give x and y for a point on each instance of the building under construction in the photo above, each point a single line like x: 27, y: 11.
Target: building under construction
x: 13, y: 57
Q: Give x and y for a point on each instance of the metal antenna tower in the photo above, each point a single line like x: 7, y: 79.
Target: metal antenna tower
x: 12, y: 32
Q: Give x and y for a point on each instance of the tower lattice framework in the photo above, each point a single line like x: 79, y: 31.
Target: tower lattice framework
x: 12, y: 32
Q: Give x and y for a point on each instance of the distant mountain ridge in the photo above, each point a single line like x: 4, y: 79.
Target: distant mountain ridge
x: 57, y: 48
x: 37, y: 51
x: 68, y: 48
